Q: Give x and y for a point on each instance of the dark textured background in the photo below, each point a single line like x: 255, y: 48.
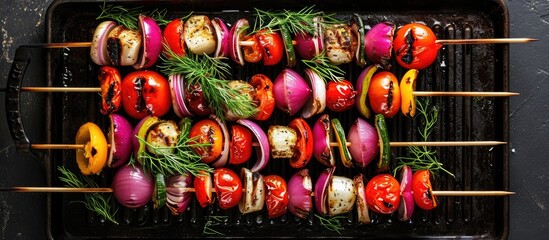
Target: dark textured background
x: 22, y: 215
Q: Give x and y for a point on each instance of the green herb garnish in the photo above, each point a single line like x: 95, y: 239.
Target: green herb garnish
x: 212, y: 221
x: 423, y: 157
x: 209, y: 73
x: 324, y: 68
x: 129, y: 17
x: 183, y: 159
x: 331, y: 223
x: 100, y: 203
x: 301, y: 21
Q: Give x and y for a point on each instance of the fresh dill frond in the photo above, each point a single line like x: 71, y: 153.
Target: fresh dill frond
x: 324, y: 68
x: 301, y: 21
x: 331, y: 223
x: 211, y: 222
x: 210, y: 73
x: 100, y: 203
x: 129, y: 17
x: 423, y: 157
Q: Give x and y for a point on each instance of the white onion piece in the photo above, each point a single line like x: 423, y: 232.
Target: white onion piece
x: 222, y: 36
x: 120, y: 139
x: 224, y: 157
x: 363, y: 214
x: 341, y: 195
x: 177, y: 87
x: 254, y: 192
x: 178, y: 197
x: 321, y: 190
x: 321, y: 145
x: 124, y: 46
x: 132, y: 187
x: 238, y: 31
x: 152, y: 42
x: 378, y: 42
x: 199, y: 35
x: 291, y: 91
x: 263, y: 154
x: 364, y: 142
x: 98, y: 50
x: 317, y: 103
x: 300, y: 188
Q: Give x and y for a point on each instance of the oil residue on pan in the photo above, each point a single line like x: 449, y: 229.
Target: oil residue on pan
x: 457, y: 68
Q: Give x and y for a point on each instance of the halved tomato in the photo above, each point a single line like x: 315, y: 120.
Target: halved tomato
x: 303, y: 150
x: 228, y: 187
x: 264, y: 96
x: 240, y: 148
x: 173, y: 38
x: 254, y: 52
x: 273, y: 46
x: 207, y: 132
x: 277, y: 196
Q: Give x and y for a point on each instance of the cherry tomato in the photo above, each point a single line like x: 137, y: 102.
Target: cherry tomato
x: 340, y: 95
x: 303, y: 150
x: 253, y: 53
x: 384, y: 94
x: 195, y: 101
x: 383, y: 194
x: 277, y: 196
x: 273, y: 47
x: 422, y: 190
x: 415, y: 46
x: 263, y: 95
x: 146, y: 93
x: 203, y: 188
x: 207, y: 131
x: 93, y: 157
x: 240, y: 148
x: 110, y: 81
x: 228, y: 187
x: 173, y: 37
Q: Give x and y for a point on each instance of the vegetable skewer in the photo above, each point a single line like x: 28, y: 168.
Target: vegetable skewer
x: 107, y: 190
x: 415, y: 93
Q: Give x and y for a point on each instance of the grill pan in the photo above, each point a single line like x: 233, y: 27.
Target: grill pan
x: 457, y: 68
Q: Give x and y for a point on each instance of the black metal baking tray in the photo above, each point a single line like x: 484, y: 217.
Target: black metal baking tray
x: 458, y: 68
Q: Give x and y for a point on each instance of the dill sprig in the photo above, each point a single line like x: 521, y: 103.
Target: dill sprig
x: 301, y: 21
x: 423, y: 157
x: 324, y: 68
x: 210, y: 74
x: 128, y: 17
x: 331, y: 223
x: 211, y: 222
x: 100, y: 203
x: 181, y: 158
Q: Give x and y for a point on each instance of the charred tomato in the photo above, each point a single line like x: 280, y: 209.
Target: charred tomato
x: 415, y: 46
x: 340, y: 95
x: 383, y: 194
x: 228, y: 187
x: 384, y: 94
x: 208, y: 132
x: 110, y: 82
x: 146, y: 93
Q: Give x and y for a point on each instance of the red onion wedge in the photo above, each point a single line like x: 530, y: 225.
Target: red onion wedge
x: 309, y: 46
x: 321, y: 136
x: 98, y: 50
x: 253, y: 186
x: 300, y: 188
x: 341, y: 195
x: 407, y: 204
x: 224, y: 157
x: 152, y: 42
x: 317, y: 103
x: 222, y: 37
x: 363, y: 214
x: 178, y: 197
x: 177, y: 87
x: 132, y: 187
x: 321, y: 190
x: 263, y: 154
x: 291, y: 91
x: 379, y: 43
x: 364, y: 142
x: 238, y: 31
x: 120, y: 139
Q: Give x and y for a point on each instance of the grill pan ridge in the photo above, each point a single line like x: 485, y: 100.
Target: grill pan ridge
x: 458, y: 68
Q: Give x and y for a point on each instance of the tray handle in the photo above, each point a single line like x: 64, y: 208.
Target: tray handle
x: 21, y: 61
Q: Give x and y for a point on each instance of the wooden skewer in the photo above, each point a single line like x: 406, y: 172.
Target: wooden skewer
x: 332, y: 144
x: 250, y: 43
x: 416, y: 93
x: 107, y: 190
